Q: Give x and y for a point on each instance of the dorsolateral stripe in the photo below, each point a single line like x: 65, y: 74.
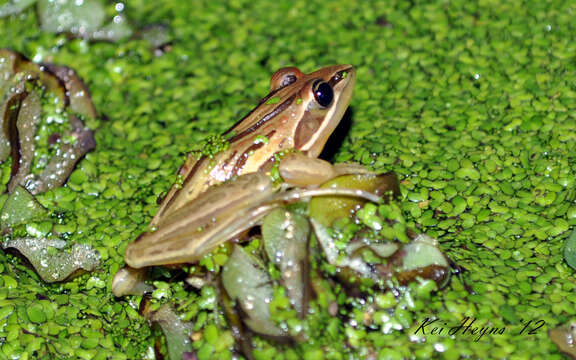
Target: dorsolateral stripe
x: 272, y: 114
x: 244, y: 157
x: 190, y: 175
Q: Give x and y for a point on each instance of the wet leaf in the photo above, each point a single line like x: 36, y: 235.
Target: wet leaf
x: 565, y: 338
x: 19, y: 70
x: 157, y: 35
x: 78, y: 92
x: 85, y: 19
x: 129, y: 281
x: 26, y: 89
x: 285, y: 235
x: 115, y: 30
x: 421, y: 252
x: 326, y: 241
x: 61, y: 165
x: 570, y: 250
x: 13, y: 7
x: 20, y: 207
x: 246, y: 280
x: 7, y: 91
x: 28, y: 117
x: 334, y: 256
x: 54, y: 265
x: 382, y: 250
x: 77, y: 17
x: 422, y: 258
x: 176, y: 332
x: 327, y: 209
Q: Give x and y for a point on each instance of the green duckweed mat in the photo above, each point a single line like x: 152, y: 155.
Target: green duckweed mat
x: 472, y: 104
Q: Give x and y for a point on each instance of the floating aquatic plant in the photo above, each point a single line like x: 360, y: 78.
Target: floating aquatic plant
x: 49, y: 259
x: 43, y: 135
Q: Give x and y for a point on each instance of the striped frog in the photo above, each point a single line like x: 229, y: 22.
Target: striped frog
x: 221, y: 197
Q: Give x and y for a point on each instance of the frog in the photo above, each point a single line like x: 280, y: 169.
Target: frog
x: 220, y: 197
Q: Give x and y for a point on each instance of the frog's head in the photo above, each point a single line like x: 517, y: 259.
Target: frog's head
x: 321, y: 98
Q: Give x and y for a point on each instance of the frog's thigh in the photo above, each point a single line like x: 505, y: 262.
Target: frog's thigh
x: 301, y: 170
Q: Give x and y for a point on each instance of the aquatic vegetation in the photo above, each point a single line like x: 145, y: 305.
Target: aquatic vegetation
x: 41, y: 107
x: 87, y: 19
x: 43, y: 135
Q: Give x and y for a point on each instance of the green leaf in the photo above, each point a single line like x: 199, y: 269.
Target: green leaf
x: 20, y: 207
x: 570, y: 250
x: 247, y: 281
x: 285, y: 235
x: 53, y: 265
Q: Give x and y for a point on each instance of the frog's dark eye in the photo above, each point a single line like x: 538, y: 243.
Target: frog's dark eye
x: 323, y: 93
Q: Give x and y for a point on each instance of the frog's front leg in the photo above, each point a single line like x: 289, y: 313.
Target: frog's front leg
x: 300, y: 170
x: 312, y: 173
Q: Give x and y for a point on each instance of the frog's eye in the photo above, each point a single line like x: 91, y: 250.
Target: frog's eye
x: 288, y: 79
x: 323, y: 93
x: 284, y: 77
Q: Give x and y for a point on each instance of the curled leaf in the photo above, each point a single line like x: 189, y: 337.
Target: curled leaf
x: 285, y: 236
x: 19, y: 208
x: 78, y: 93
x: 61, y: 165
x: 28, y: 117
x: 53, y: 265
x: 382, y: 250
x: 129, y: 281
x: 570, y: 250
x: 422, y: 258
x: 45, y: 141
x: 157, y: 35
x: 565, y: 338
x: 246, y: 280
x: 17, y: 70
x: 86, y: 19
x: 7, y: 98
x: 176, y: 332
x: 333, y: 254
x: 13, y: 7
x: 421, y: 252
x: 327, y: 209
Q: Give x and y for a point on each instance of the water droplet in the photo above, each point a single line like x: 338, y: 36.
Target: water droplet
x: 249, y: 303
x: 439, y: 347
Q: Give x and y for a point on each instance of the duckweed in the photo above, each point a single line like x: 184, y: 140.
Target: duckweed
x: 471, y: 104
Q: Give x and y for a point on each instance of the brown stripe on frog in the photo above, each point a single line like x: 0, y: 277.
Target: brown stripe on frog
x: 307, y: 127
x: 269, y: 116
x: 338, y: 77
x: 190, y: 175
x: 244, y: 156
x: 262, y: 101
